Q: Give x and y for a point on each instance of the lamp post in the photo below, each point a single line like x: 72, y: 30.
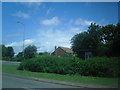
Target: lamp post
x: 23, y: 37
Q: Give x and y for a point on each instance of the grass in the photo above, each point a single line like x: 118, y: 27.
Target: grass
x: 69, y: 78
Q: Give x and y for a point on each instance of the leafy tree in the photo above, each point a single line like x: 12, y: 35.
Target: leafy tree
x: 20, y: 54
x: 19, y: 57
x: 30, y: 51
x: 7, y: 52
x: 102, y: 50
x: 94, y: 35
x: 86, y: 40
x: 111, y: 37
x: 10, y: 52
x: 108, y: 33
x: 77, y: 40
x: 103, y: 40
x: 4, y: 51
x: 116, y: 41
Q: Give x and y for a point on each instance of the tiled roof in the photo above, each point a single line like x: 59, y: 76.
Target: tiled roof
x: 67, y: 49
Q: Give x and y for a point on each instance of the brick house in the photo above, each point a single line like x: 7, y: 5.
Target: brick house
x: 62, y: 52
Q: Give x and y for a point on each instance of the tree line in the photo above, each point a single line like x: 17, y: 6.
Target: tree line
x: 102, y: 40
x: 8, y: 53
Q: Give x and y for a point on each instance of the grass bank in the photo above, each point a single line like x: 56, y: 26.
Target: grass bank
x: 69, y: 78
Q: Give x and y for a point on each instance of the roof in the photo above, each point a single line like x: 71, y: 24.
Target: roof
x: 68, y: 50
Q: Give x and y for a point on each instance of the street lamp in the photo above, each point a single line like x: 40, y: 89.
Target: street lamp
x: 23, y: 37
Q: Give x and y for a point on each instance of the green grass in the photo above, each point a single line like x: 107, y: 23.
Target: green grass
x: 69, y: 78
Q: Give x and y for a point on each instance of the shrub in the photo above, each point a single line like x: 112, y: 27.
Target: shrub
x: 102, y: 67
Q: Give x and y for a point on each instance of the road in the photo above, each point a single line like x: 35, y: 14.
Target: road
x: 14, y: 82
x: 11, y: 63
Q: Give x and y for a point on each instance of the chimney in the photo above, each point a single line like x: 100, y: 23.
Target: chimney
x: 55, y: 47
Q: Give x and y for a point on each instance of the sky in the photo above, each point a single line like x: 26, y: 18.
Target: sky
x: 50, y: 24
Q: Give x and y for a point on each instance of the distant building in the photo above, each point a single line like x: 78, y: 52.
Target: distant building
x: 62, y: 52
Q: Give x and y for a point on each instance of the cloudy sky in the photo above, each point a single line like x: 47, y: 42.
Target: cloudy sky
x: 51, y: 24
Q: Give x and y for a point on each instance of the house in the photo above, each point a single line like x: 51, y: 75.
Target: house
x: 62, y: 52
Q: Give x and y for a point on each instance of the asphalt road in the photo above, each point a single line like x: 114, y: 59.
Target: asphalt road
x: 11, y: 63
x: 14, y: 82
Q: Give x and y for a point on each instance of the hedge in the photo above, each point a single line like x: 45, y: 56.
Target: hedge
x: 99, y: 66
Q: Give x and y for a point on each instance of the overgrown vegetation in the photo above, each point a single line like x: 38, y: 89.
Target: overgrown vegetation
x: 99, y: 66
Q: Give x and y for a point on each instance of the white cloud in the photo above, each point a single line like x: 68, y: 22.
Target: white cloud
x: 83, y: 22
x: 51, y: 22
x: 29, y: 41
x: 50, y: 38
x: 34, y: 7
x: 18, y: 46
x: 26, y: 42
x: 76, y: 29
x: 21, y: 15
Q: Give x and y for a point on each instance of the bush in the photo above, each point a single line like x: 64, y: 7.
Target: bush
x: 102, y: 67
x: 17, y: 59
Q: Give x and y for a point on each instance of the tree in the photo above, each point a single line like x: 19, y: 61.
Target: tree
x: 94, y: 35
x: 10, y: 52
x: 116, y: 41
x: 111, y: 37
x: 108, y: 33
x: 30, y: 51
x: 86, y: 40
x: 7, y: 52
x: 77, y: 41
x: 104, y: 41
x: 102, y: 50
x: 4, y: 51
x: 19, y: 55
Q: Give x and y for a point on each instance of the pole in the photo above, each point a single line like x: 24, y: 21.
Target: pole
x: 23, y: 38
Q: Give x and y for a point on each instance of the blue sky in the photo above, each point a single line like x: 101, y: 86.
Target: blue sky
x: 52, y: 24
